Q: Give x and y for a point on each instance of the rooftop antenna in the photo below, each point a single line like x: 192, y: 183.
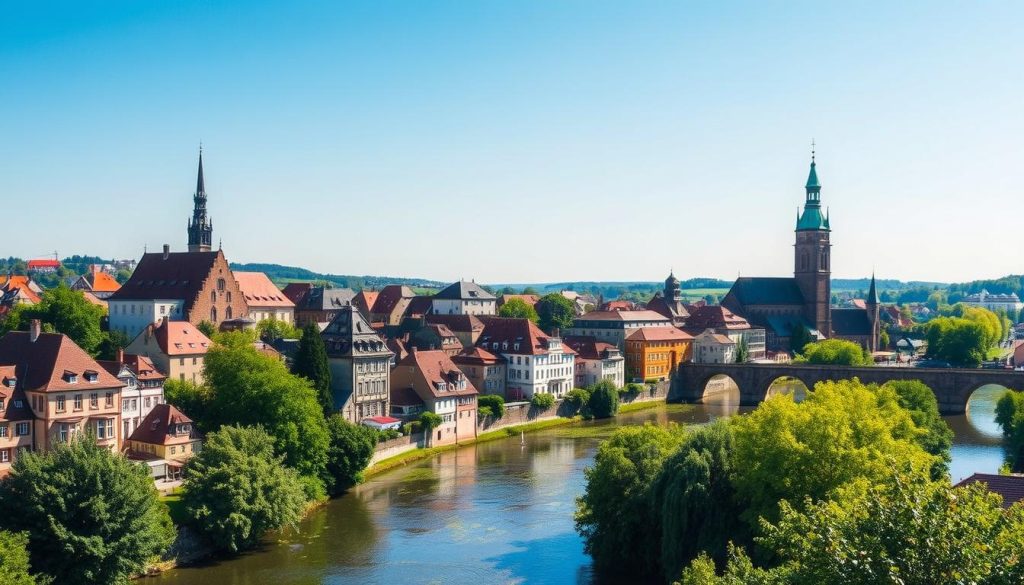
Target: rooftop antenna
x: 812, y: 149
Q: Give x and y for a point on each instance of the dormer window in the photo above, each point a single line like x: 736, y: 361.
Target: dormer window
x: 91, y: 376
x: 11, y: 382
x: 70, y: 377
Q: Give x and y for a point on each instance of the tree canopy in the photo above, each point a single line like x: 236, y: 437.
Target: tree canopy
x: 837, y: 352
x: 555, y: 312
x: 937, y: 439
x: 518, y: 308
x: 603, y: 401
x: 311, y: 363
x: 237, y: 489
x: 14, y: 564
x: 65, y: 311
x: 92, y: 516
x: 350, y: 451
x: 957, y: 340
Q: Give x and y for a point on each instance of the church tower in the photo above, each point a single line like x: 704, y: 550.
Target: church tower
x: 673, y: 293
x: 812, y: 262
x: 200, y: 227
x: 873, y: 314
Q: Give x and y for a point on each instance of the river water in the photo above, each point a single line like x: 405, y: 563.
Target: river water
x: 498, y: 512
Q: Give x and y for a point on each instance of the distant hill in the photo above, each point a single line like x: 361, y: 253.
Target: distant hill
x: 854, y: 284
x: 285, y: 274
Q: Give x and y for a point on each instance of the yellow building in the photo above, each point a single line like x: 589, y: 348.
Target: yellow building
x: 165, y: 434
x: 652, y: 353
x: 177, y: 348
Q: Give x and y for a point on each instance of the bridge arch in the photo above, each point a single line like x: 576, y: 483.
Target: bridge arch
x: 980, y: 408
x: 787, y: 384
x: 720, y: 394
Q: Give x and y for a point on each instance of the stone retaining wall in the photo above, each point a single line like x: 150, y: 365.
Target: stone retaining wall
x: 396, y: 446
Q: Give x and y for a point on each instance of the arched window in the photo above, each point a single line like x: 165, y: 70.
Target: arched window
x: 220, y: 284
x: 229, y: 296
x: 213, y: 314
x: 213, y: 296
x: 227, y: 313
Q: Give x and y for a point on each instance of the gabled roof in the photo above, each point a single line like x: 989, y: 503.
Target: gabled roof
x: 390, y: 297
x: 176, y: 337
x: 98, y: 281
x: 476, y: 356
x: 319, y: 298
x: 767, y: 291
x: 365, y: 300
x: 658, y: 334
x: 94, y: 299
x: 178, y: 276
x: 42, y: 365
x: 296, y: 290
x: 851, y: 322
x: 43, y: 263
x: 259, y: 291
x: 709, y: 336
x: 528, y: 299
x: 458, y: 323
x: 419, y: 306
x: 23, y: 284
x: 624, y: 316
x: 139, y: 365
x: 156, y: 428
x: 589, y: 348
x: 1010, y: 487
x: 715, y: 317
x: 434, y: 370
x: 349, y: 335
x: 510, y: 333
x: 465, y: 291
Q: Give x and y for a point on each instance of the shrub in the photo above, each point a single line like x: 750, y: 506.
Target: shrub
x: 387, y: 435
x: 92, y: 516
x: 412, y: 427
x: 484, y: 412
x: 542, y: 401
x: 429, y: 421
x: 350, y: 451
x: 633, y: 389
x: 578, y: 397
x: 493, y: 402
x: 237, y: 489
x: 14, y: 559
x: 604, y: 399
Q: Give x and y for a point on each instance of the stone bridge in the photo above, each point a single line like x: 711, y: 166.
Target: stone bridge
x: 952, y: 387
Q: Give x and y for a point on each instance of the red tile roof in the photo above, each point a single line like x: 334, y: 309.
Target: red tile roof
x: 389, y: 297
x: 43, y: 263
x: 658, y: 334
x: 100, y: 281
x: 94, y: 299
x: 156, y: 428
x: 178, y: 276
x: 364, y: 300
x: 140, y: 365
x: 296, y: 290
x: 178, y: 337
x: 43, y: 365
x: 643, y: 315
x: 528, y: 299
x: 508, y: 333
x: 476, y: 356
x: 259, y: 291
x: 458, y: 323
x: 23, y: 284
x: 715, y: 317
x: 589, y: 348
x: 432, y: 370
x: 1010, y: 487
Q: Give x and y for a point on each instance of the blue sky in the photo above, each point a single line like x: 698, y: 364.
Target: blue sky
x: 519, y: 141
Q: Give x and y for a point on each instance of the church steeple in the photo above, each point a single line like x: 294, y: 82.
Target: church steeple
x: 200, y: 227
x: 872, y: 293
x: 812, y: 263
x: 812, y: 218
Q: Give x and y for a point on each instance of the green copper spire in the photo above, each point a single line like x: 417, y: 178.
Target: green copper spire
x: 812, y: 178
x: 812, y: 218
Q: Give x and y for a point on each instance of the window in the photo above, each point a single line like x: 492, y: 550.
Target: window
x: 213, y: 314
x: 228, y: 312
x: 163, y: 309
x: 229, y: 296
x: 174, y: 450
x: 220, y: 284
x: 78, y: 402
x: 94, y: 401
x: 109, y: 399
x: 5, y: 455
x: 3, y: 431
x: 60, y: 403
x: 105, y: 428
x: 21, y: 429
x: 145, y: 402
x: 62, y: 433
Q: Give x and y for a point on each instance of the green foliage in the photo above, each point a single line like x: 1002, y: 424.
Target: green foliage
x: 350, y: 451
x: 799, y: 338
x: 919, y: 400
x: 207, y: 328
x: 883, y: 339
x: 694, y: 498
x: 904, y: 529
x: 247, y: 388
x: 634, y: 388
x: 542, y: 400
x: 555, y: 312
x: 271, y: 329
x: 111, y: 343
x: 838, y: 352
x: 91, y: 515
x: 615, y: 515
x: 412, y: 427
x: 843, y: 432
x: 236, y: 489
x: 493, y: 402
x: 14, y: 559
x: 742, y: 351
x: 604, y: 399
x: 311, y: 363
x: 1010, y: 417
x: 429, y: 421
x: 957, y: 340
x: 518, y: 309
x: 578, y: 398
x: 67, y: 312
x: 191, y: 398
x: 739, y: 570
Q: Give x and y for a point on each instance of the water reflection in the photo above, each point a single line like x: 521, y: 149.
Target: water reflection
x: 498, y: 512
x: 721, y: 396
x: 788, y: 385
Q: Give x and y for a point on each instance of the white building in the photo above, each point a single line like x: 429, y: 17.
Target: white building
x: 464, y: 298
x: 132, y: 316
x: 986, y: 300
x: 596, y: 361
x: 144, y: 388
x: 535, y: 362
x: 713, y: 348
x: 615, y: 326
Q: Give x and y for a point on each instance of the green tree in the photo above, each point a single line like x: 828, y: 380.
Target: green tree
x: 247, y: 388
x: 542, y: 400
x: 69, y: 313
x: 493, y: 402
x: 842, y: 432
x: 604, y: 399
x: 350, y: 451
x: 742, y: 351
x: 615, y: 515
x: 555, y: 312
x: 428, y: 422
x: 530, y: 291
x: 191, y: 398
x: 91, y: 515
x: 694, y: 497
x: 1010, y: 417
x: 883, y: 339
x: 958, y: 340
x: 311, y: 363
x: 237, y: 489
x: 271, y: 329
x: 14, y: 559
x: 518, y: 309
x: 919, y: 400
x: 837, y: 352
x: 578, y: 398
x: 207, y: 328
x: 799, y: 338
x: 112, y: 342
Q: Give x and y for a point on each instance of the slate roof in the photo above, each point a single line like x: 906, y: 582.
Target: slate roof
x: 848, y: 322
x: 178, y: 276
x: 757, y: 290
x: 462, y: 290
x: 259, y: 291
x: 1010, y: 487
x: 349, y: 335
x: 41, y: 365
x: 318, y: 298
x: 419, y: 306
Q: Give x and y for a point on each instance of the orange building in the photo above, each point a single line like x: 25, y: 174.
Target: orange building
x: 652, y: 353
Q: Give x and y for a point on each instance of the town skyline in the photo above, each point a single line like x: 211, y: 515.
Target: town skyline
x: 628, y: 128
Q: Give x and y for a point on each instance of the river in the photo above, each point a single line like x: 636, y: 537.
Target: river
x: 498, y: 512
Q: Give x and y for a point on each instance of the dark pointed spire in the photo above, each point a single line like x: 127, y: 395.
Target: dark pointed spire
x: 200, y: 184
x: 872, y: 293
x: 200, y: 227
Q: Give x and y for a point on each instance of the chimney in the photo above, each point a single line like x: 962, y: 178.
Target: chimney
x: 167, y: 251
x: 120, y: 355
x: 34, y: 327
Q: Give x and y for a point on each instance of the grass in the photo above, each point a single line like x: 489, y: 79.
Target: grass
x: 525, y: 428
x: 635, y: 406
x: 175, y: 507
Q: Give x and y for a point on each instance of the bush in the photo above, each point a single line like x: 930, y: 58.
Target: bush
x: 493, y: 402
x: 91, y: 515
x: 429, y: 421
x: 350, y: 451
x: 578, y: 398
x: 542, y: 401
x: 604, y: 399
x: 484, y: 412
x: 237, y: 489
x: 14, y: 559
x: 837, y: 352
x: 387, y: 435
x: 412, y: 427
x: 633, y: 389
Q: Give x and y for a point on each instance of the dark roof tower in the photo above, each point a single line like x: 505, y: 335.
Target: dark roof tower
x: 200, y: 227
x: 872, y: 292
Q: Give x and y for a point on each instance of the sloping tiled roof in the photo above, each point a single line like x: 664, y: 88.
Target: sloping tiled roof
x: 23, y: 284
x: 476, y: 356
x: 12, y: 397
x: 419, y: 306
x: 259, y: 291
x: 625, y: 316
x: 93, y: 299
x: 405, y: 397
x: 851, y: 322
x: 710, y: 335
x: 100, y: 281
x: 1010, y: 487
x: 390, y: 296
x: 177, y: 337
x: 589, y: 348
x: 140, y: 365
x: 296, y: 290
x: 658, y: 334
x: 509, y: 332
x: 178, y: 276
x: 365, y: 300
x: 462, y: 290
x: 319, y: 298
x: 41, y: 365
x: 432, y: 369
x: 458, y: 323
x: 43, y: 263
x: 155, y: 428
x: 348, y: 334
x: 767, y: 291
x: 715, y: 317
x: 528, y: 299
